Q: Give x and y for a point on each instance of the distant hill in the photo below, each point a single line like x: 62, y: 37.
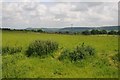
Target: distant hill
x: 80, y: 29
x: 109, y: 28
x: 51, y: 29
x: 75, y: 29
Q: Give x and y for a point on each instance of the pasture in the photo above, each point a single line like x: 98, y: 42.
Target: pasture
x: 18, y: 65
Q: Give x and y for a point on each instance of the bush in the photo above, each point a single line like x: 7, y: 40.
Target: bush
x: 40, y: 48
x: 11, y: 50
x: 79, y: 53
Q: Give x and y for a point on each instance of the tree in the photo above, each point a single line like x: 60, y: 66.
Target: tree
x: 40, y: 30
x: 86, y: 32
x: 112, y: 32
x: 66, y: 32
x: 118, y: 32
x: 95, y: 32
x: 103, y: 32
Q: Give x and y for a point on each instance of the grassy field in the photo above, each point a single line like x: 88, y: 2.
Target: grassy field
x: 18, y: 65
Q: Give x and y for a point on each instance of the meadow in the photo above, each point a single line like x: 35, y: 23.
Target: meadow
x: 18, y: 65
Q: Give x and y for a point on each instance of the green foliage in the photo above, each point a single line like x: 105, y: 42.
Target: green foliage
x: 64, y: 55
x: 116, y: 57
x: 14, y: 66
x: 40, y: 30
x: 20, y: 66
x: 95, y: 32
x: 103, y: 32
x: 86, y: 32
x: 41, y: 48
x: 112, y: 32
x: 118, y: 32
x: 79, y: 53
x: 11, y: 50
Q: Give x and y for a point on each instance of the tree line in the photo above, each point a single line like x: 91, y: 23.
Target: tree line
x: 86, y: 32
x: 32, y: 30
x: 96, y: 32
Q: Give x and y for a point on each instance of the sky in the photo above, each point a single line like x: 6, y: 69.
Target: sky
x: 20, y: 15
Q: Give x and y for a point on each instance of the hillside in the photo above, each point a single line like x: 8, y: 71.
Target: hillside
x: 80, y: 29
x: 75, y: 29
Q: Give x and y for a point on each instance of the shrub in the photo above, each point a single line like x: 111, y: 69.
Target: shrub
x: 40, y: 48
x: 11, y: 50
x: 79, y: 53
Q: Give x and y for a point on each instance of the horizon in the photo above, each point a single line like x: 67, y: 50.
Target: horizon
x: 64, y: 27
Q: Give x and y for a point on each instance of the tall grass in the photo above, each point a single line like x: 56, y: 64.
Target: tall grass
x: 11, y: 50
x: 20, y: 66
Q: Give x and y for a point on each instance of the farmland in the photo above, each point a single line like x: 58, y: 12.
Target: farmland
x: 18, y: 65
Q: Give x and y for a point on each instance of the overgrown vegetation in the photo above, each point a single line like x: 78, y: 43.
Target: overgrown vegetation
x: 79, y: 53
x: 11, y: 50
x: 64, y: 55
x: 96, y: 65
x: 96, y: 32
x: 41, y: 48
x: 116, y: 57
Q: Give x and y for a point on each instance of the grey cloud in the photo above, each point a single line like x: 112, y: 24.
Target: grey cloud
x: 60, y: 16
x: 30, y: 6
x: 39, y: 14
x: 84, y: 6
x: 94, y: 4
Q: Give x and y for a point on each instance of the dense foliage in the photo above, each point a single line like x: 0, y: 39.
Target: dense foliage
x: 11, y: 50
x: 41, y: 48
x: 96, y: 32
x: 79, y: 53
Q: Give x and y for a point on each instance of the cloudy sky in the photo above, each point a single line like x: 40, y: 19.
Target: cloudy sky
x: 59, y: 14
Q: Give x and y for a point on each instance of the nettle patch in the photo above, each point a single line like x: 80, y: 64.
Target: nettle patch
x: 41, y: 48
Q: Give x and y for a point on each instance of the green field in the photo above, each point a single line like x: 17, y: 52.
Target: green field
x: 18, y: 65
